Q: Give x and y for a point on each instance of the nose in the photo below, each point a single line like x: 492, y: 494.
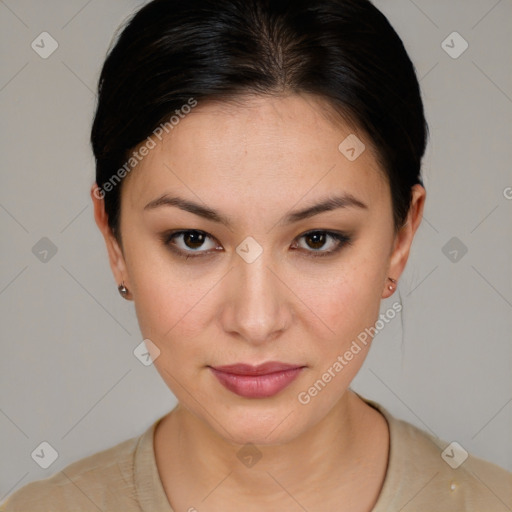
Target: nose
x: 257, y: 305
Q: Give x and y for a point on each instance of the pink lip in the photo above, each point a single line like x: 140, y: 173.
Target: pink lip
x: 260, y: 381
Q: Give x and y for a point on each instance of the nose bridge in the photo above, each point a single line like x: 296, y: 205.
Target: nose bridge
x: 257, y: 302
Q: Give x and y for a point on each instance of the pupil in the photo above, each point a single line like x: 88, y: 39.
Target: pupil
x: 189, y: 239
x: 320, y: 240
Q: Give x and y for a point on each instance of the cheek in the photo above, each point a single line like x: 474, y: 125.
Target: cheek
x: 346, y: 307
x: 343, y: 302
x: 175, y: 308
x: 171, y: 314
x: 169, y: 296
x: 172, y: 308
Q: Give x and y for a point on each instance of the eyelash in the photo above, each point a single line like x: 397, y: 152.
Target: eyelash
x: 342, y: 239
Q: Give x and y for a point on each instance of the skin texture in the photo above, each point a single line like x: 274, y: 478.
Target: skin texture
x: 255, y: 161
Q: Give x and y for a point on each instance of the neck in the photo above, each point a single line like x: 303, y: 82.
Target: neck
x: 333, y: 454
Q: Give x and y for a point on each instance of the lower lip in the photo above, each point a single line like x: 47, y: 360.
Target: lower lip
x: 257, y: 386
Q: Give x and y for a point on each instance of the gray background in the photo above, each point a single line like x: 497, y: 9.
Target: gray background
x: 67, y: 373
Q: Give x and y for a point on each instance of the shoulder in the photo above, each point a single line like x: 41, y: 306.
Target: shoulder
x: 427, y: 473
x: 96, y: 482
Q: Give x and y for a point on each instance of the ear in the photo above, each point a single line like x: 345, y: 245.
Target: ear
x: 115, y: 252
x: 404, y: 237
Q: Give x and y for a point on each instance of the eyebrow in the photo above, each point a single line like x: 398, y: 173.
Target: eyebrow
x: 325, y: 205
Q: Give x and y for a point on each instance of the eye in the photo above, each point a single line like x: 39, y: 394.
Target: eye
x: 317, y: 239
x: 189, y: 241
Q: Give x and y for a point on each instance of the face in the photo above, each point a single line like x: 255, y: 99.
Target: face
x: 246, y: 278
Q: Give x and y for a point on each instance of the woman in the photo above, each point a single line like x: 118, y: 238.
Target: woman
x: 258, y: 188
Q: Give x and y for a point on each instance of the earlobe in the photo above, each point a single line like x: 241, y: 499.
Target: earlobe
x: 115, y: 253
x: 124, y: 292
x: 389, y: 287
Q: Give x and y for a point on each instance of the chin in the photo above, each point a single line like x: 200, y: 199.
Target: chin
x: 261, y: 424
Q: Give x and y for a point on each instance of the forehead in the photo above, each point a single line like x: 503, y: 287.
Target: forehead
x: 261, y: 148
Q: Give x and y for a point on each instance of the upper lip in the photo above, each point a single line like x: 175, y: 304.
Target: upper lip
x: 261, y: 369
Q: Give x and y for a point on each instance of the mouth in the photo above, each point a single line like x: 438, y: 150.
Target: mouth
x: 262, y: 381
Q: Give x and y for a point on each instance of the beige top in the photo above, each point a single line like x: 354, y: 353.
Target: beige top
x: 124, y: 478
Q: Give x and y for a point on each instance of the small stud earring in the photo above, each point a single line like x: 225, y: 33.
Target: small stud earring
x: 391, y: 287
x: 123, y: 290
